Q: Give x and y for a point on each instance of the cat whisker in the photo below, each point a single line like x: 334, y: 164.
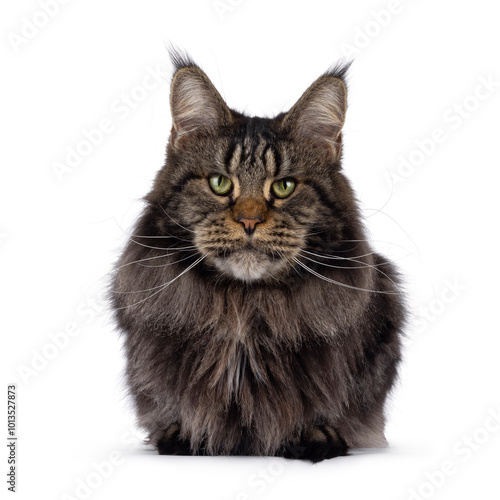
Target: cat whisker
x: 351, y: 241
x: 271, y: 275
x: 190, y: 247
x: 283, y: 256
x: 150, y: 236
x: 391, y: 243
x: 148, y: 258
x: 400, y: 227
x: 165, y: 285
x: 160, y: 237
x: 335, y: 282
x: 140, y: 260
x: 174, y: 221
x: 337, y: 257
x: 169, y: 263
x: 377, y: 210
x: 311, y: 233
x: 357, y: 241
x: 338, y: 250
x: 167, y: 254
x: 364, y: 265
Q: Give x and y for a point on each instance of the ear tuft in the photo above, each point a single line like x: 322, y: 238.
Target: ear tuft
x: 194, y: 102
x: 180, y: 59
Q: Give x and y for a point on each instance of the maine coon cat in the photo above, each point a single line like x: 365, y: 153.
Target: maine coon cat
x: 257, y: 319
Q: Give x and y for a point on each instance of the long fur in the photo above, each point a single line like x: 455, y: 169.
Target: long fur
x: 296, y: 363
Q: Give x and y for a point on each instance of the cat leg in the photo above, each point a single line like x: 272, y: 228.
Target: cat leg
x: 170, y: 443
x: 316, y: 443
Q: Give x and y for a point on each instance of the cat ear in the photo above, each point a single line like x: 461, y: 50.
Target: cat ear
x: 319, y: 114
x: 194, y: 101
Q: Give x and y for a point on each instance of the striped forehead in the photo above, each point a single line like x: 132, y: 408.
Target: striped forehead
x: 253, y: 157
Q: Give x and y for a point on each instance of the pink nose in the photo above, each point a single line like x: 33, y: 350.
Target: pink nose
x: 249, y: 223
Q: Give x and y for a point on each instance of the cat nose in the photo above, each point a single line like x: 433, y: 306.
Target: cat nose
x: 249, y: 223
x: 250, y: 211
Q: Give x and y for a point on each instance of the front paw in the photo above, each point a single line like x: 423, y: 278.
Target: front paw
x: 171, y: 444
x: 316, y: 443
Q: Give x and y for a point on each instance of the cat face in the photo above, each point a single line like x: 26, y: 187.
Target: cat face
x: 260, y: 217
x: 251, y: 194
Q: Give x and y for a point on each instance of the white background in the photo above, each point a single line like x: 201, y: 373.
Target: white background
x: 417, y: 69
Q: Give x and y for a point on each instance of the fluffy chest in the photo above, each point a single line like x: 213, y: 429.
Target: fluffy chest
x: 237, y: 358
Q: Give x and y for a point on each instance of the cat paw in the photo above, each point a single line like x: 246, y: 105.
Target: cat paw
x: 171, y: 444
x: 317, y: 443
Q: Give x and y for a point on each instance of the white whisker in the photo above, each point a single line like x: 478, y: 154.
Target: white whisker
x: 169, y: 263
x: 175, y: 222
x: 283, y: 256
x: 329, y: 280
x: 159, y: 237
x: 146, y: 258
x: 165, y: 285
x: 400, y: 227
x: 190, y: 247
x: 148, y: 236
x: 377, y: 210
x: 364, y: 265
x: 337, y: 257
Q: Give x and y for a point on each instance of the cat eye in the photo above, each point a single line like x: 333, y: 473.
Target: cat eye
x: 283, y: 188
x: 220, y: 184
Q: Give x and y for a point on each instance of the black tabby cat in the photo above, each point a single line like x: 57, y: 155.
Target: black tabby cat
x: 257, y: 318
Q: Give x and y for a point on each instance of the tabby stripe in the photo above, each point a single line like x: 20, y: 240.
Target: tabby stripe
x: 229, y: 154
x: 269, y: 160
x: 180, y: 185
x: 259, y: 151
x: 277, y: 163
x: 321, y: 193
x: 235, y: 158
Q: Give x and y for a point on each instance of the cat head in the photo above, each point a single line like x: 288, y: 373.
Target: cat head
x: 252, y: 193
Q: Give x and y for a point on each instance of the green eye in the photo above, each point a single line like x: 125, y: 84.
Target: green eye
x: 220, y: 184
x: 283, y: 188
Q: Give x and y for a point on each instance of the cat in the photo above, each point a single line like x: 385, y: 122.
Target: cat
x: 256, y: 317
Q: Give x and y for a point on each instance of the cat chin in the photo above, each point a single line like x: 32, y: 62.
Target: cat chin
x: 248, y: 265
